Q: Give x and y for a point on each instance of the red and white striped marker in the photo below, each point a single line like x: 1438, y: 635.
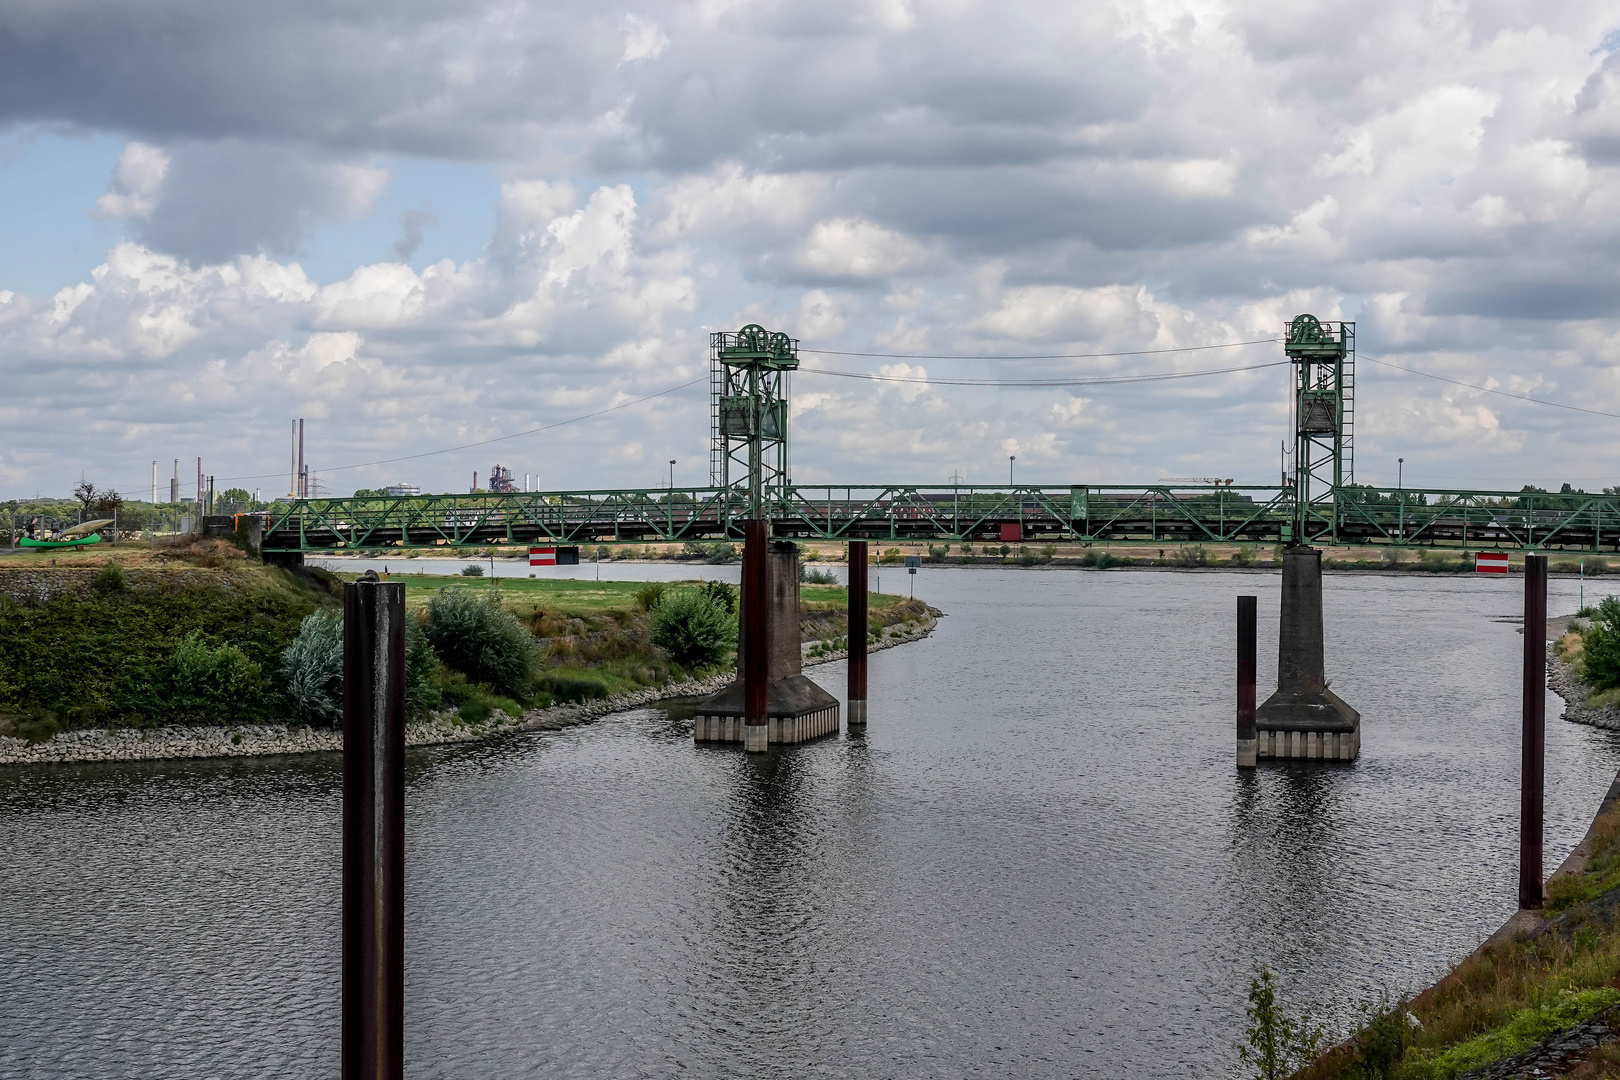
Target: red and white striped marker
x: 548, y: 556
x: 1490, y: 562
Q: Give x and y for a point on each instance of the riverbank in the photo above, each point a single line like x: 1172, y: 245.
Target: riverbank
x: 1540, y: 997
x: 255, y: 740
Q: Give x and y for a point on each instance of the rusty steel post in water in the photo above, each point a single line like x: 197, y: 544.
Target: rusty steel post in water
x: 756, y: 638
x: 1533, y: 767
x: 373, y: 830
x: 857, y: 633
x: 1247, y: 746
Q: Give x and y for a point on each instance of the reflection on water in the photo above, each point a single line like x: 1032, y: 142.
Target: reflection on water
x: 1038, y: 862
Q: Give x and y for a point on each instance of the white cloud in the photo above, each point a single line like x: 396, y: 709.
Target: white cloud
x: 135, y: 184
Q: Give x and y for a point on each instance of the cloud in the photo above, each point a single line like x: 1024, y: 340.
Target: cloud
x: 913, y: 176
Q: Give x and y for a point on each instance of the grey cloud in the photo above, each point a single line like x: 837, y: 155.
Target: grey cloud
x: 411, y: 225
x: 222, y: 199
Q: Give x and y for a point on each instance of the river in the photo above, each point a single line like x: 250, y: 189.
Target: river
x: 1038, y: 862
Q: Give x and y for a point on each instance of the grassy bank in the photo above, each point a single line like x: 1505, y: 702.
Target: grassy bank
x: 595, y: 637
x: 200, y: 634
x: 1515, y: 995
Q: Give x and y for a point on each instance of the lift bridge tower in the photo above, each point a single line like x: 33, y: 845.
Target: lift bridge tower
x: 1324, y: 396
x: 748, y: 414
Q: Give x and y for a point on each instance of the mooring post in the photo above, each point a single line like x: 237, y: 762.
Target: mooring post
x: 1534, y: 745
x: 1247, y: 748
x: 756, y: 638
x: 373, y: 829
x: 857, y: 633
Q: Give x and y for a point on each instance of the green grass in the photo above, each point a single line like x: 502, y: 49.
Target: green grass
x: 1524, y: 1029
x: 575, y: 598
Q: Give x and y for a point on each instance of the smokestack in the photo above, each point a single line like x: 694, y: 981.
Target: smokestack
x: 174, y: 484
x: 292, y: 461
x: 154, y: 481
x: 198, y: 500
x: 303, y: 475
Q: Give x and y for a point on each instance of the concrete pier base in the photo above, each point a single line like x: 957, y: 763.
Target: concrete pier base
x: 1248, y: 751
x: 796, y: 709
x: 1304, y: 719
x: 857, y: 713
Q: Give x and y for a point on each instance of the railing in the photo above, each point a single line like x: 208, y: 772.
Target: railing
x: 1114, y: 514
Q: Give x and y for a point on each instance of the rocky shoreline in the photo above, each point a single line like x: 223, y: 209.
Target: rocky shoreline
x: 254, y: 740
x: 1561, y: 679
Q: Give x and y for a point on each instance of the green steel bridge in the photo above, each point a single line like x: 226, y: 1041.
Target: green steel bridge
x: 1320, y: 503
x: 1154, y: 514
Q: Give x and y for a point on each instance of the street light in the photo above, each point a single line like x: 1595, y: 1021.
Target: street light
x: 672, y: 475
x: 1010, y: 459
x: 1400, y: 472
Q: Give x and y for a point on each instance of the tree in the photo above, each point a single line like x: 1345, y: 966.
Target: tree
x: 1600, y: 646
x: 239, y: 496
x: 1275, y: 1044
x: 370, y: 493
x: 105, y: 502
x: 85, y: 492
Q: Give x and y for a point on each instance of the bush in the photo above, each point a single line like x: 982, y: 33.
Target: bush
x: 1600, y: 645
x: 1193, y: 555
x: 1275, y: 1044
x: 312, y: 669
x: 111, y: 581
x: 211, y: 683
x: 817, y: 576
x: 650, y: 595
x: 482, y: 640
x: 422, y: 675
x: 472, y: 570
x: 721, y: 594
x: 575, y: 687
x: 694, y: 629
x: 721, y: 553
x: 891, y: 556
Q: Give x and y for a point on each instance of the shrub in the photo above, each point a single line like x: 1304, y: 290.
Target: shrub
x: 111, y: 581
x: 472, y: 570
x: 650, y: 595
x: 482, y: 640
x: 721, y: 594
x: 722, y: 553
x: 693, y: 550
x: 1274, y: 1044
x: 575, y: 686
x: 209, y: 683
x: 694, y: 629
x: 891, y: 556
x: 312, y: 669
x: 422, y: 681
x: 817, y: 576
x: 1600, y: 644
x: 1005, y: 551
x: 966, y: 548
x: 1193, y: 555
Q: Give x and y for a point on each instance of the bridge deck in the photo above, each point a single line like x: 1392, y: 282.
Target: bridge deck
x: 1088, y: 514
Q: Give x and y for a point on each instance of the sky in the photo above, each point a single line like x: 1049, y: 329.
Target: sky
x: 425, y: 224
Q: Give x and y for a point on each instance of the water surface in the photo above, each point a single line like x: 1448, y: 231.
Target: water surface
x: 1039, y: 861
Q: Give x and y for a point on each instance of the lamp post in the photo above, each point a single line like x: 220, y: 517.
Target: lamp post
x: 672, y: 476
x: 1400, y: 490
x: 1010, y: 459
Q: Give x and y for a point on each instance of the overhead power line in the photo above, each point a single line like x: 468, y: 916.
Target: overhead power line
x: 1046, y: 356
x: 1488, y: 390
x: 1089, y: 380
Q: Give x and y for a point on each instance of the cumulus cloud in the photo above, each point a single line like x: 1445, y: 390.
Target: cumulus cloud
x: 909, y: 176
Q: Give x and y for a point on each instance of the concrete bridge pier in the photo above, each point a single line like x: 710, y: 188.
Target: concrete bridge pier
x: 1304, y: 719
x: 771, y: 701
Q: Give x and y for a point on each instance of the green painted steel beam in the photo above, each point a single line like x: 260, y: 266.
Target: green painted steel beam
x: 1154, y: 514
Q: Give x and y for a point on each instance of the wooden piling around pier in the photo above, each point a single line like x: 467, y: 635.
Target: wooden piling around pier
x: 857, y: 633
x: 1534, y: 732
x: 373, y: 914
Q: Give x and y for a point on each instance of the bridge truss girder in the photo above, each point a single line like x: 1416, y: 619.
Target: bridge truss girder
x: 1105, y: 514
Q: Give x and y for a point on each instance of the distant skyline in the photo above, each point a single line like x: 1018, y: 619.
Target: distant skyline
x: 424, y: 225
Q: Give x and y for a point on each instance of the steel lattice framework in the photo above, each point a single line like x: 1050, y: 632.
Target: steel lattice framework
x: 1213, y: 514
x: 749, y: 466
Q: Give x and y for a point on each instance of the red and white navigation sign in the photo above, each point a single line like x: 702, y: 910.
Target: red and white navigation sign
x: 1491, y: 562
x: 539, y: 556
